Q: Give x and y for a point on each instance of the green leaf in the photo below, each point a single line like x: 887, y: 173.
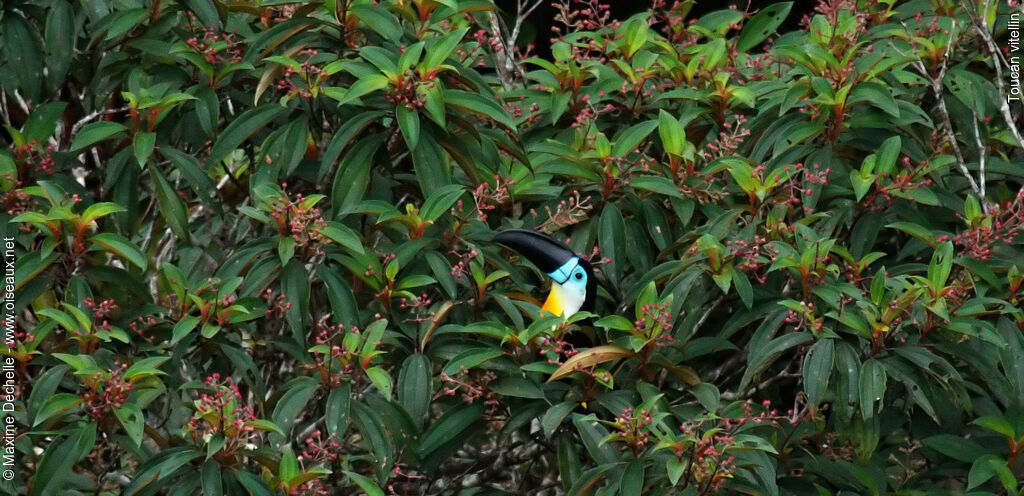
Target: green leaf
x: 121, y: 246
x: 450, y: 426
x: 478, y: 105
x: 296, y: 287
x: 554, y: 416
x: 989, y: 466
x: 471, y: 358
x: 368, y: 486
x: 997, y: 424
x: 885, y: 160
x: 762, y: 357
x: 100, y: 210
x: 516, y: 387
x: 415, y: 386
x: 172, y: 208
x: 431, y: 166
x: 374, y: 434
x: 205, y: 11
x: 818, y: 365
x: 762, y: 25
x: 612, y: 241
x: 124, y: 21
x: 344, y: 236
x: 941, y: 264
x: 616, y: 322
x: 241, y: 128
x: 381, y: 379
x: 353, y: 176
x: 190, y: 169
x: 872, y: 386
x: 133, y: 420
x: 288, y: 468
x: 94, y: 132
x: 916, y: 231
x: 146, y: 367
x: 593, y: 435
x: 440, y: 201
x: 143, y: 145
x: 56, y: 464
x: 627, y: 141
x: 43, y: 121
x: 22, y: 54
x: 336, y: 413
x: 955, y: 447
x: 656, y: 184
x: 292, y: 403
x: 211, y: 478
x: 876, y: 95
x: 362, y: 87
x: 60, y: 36
x: 409, y: 123
x: 673, y: 136
x: 633, y: 478
x: 379, y: 20
x: 443, y: 47
x: 183, y: 327
x: 56, y: 405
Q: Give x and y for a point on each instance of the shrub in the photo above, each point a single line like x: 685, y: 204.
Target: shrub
x: 254, y: 249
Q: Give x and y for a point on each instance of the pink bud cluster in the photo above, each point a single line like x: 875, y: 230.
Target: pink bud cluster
x: 101, y: 311
x: 107, y: 391
x: 729, y: 139
x: 471, y: 386
x: 216, y: 48
x: 34, y: 160
x: 488, y: 198
x: 566, y: 213
x: 462, y: 261
x: 632, y: 428
x: 805, y: 318
x: 337, y: 363
x: 655, y: 322
x: 302, y: 223
x: 221, y: 412
x: 320, y: 449
x: 750, y: 256
x: 1002, y: 225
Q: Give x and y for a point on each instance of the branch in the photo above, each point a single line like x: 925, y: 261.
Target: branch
x: 92, y: 116
x: 735, y: 395
x: 947, y: 123
x: 997, y: 62
x: 502, y: 63
x: 4, y: 114
x: 521, y: 15
x: 981, y: 157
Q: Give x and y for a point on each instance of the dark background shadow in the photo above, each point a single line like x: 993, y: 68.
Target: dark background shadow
x: 537, y: 29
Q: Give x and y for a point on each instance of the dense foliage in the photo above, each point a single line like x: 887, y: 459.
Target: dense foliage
x: 254, y: 249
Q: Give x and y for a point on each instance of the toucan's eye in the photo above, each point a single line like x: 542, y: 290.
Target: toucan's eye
x: 579, y: 275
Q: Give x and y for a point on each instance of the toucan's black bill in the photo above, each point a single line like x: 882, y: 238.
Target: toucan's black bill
x: 546, y: 253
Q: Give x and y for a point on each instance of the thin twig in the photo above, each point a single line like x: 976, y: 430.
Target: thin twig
x: 703, y: 318
x: 521, y: 16
x: 93, y: 115
x: 735, y: 395
x: 504, y: 65
x: 997, y: 62
x: 981, y: 156
x: 21, y: 102
x: 4, y: 113
x: 947, y: 123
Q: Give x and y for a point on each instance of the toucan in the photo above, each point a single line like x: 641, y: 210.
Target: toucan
x: 573, y: 286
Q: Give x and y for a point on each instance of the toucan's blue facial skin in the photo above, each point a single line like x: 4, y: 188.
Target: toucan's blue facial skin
x: 571, y: 276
